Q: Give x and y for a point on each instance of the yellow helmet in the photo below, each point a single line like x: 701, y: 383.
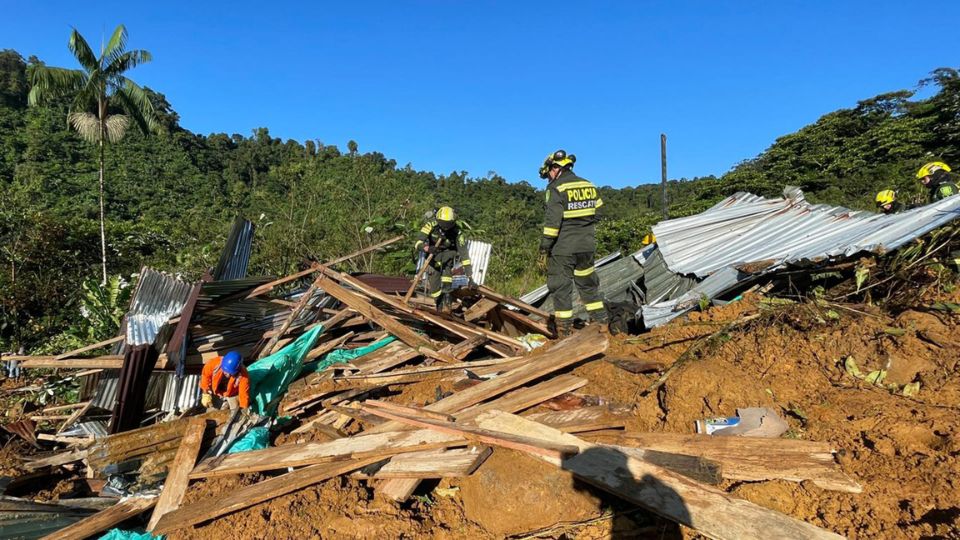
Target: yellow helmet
x: 445, y: 213
x: 931, y: 168
x: 560, y: 158
x: 886, y: 196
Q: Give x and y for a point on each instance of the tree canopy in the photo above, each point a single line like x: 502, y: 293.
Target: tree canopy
x: 173, y: 196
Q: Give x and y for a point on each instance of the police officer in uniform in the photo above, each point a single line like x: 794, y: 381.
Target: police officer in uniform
x: 568, y: 244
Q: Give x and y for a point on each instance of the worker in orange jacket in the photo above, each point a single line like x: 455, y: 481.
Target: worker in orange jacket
x: 225, y: 381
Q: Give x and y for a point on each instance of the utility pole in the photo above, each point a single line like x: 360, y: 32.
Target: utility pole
x: 663, y: 172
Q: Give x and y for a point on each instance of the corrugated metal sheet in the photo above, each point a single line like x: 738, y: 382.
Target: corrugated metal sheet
x: 616, y: 280
x: 538, y: 294
x: 158, y: 297
x: 180, y: 395
x: 105, y: 396
x: 235, y: 256
x: 745, y: 229
x: 660, y: 283
x: 479, y: 259
x: 663, y: 312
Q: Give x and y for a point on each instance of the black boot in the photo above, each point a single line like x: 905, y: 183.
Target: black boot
x: 564, y: 328
x: 445, y: 302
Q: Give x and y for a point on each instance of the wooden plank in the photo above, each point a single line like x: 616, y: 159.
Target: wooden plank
x: 90, y: 347
x: 62, y: 458
x: 479, y: 309
x: 462, y: 329
x: 64, y: 440
x: 511, y: 440
x: 708, y: 510
x: 752, y: 459
x: 523, y: 306
x: 66, y: 407
x: 75, y: 416
x: 453, y: 463
x: 328, y: 346
x: 103, y: 520
x: 272, y: 345
x: 110, y: 361
x: 368, y: 310
x: 577, y: 420
x: 525, y: 322
x: 515, y: 401
x: 377, y: 445
x: 407, y: 410
x: 175, y: 485
x: 257, y: 493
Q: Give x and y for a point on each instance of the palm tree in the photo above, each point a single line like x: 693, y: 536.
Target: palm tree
x: 104, y: 100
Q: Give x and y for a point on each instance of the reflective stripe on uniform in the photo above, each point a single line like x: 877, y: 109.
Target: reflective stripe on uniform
x: 426, y: 229
x: 599, y: 202
x: 583, y: 273
x: 435, y: 294
x: 563, y: 314
x: 446, y: 279
x: 593, y: 306
x: 573, y: 185
x: 419, y: 243
x: 585, y: 212
x: 465, y: 262
x: 551, y: 232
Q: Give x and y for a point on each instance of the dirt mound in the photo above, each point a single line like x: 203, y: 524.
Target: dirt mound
x: 513, y: 493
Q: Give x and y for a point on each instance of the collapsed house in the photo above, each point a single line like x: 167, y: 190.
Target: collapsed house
x: 331, y: 351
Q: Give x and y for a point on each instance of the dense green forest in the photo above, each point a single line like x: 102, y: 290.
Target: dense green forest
x: 172, y: 196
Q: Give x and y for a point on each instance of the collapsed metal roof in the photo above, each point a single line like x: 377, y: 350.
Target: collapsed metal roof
x: 235, y: 256
x: 158, y: 297
x: 745, y: 228
x: 745, y: 236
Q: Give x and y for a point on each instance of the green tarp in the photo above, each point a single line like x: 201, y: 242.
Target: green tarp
x: 341, y: 356
x: 271, y: 376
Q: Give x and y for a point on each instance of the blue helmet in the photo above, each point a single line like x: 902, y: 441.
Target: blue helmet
x: 230, y: 363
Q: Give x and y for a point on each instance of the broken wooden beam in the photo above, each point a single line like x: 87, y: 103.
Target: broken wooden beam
x: 105, y: 519
x: 752, y: 459
x: 178, y: 476
x: 453, y: 463
x: 708, y: 510
x: 248, y: 496
x: 378, y: 445
x: 513, y: 441
x: 376, y: 315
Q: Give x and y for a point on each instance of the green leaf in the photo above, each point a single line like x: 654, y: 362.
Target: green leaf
x: 911, y: 389
x: 850, y: 365
x: 861, y: 276
x: 876, y: 377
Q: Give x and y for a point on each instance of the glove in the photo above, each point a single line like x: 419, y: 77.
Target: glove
x: 206, y: 400
x: 428, y: 249
x: 542, y: 261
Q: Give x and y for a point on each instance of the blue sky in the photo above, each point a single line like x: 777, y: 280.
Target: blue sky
x: 495, y: 86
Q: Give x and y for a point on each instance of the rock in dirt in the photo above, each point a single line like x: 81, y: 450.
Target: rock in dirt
x: 512, y: 493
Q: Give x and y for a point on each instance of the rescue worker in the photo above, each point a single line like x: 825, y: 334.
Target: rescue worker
x: 443, y: 228
x: 568, y: 244
x: 936, y: 178
x: 887, y: 202
x: 225, y: 382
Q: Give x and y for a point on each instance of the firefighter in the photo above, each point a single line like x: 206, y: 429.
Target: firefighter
x: 443, y: 228
x: 568, y: 244
x: 225, y: 382
x: 887, y: 202
x: 936, y: 178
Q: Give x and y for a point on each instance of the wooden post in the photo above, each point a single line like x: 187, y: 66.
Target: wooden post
x: 663, y: 173
x: 423, y: 269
